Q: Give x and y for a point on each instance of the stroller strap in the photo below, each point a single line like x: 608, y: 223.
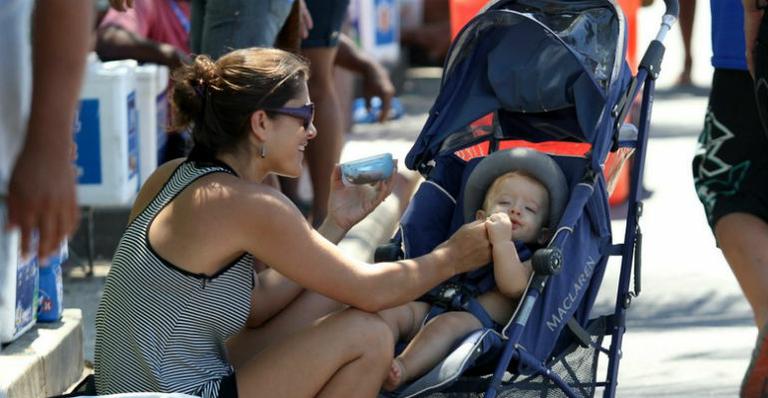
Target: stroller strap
x: 460, y: 292
x: 470, y: 305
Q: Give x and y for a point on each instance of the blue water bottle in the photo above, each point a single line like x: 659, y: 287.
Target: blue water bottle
x: 51, y: 287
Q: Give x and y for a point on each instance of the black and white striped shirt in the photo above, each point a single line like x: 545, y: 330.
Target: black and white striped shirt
x: 160, y: 328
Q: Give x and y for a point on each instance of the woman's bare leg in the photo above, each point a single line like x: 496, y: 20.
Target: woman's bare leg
x: 300, y: 314
x: 430, y: 345
x: 345, y: 354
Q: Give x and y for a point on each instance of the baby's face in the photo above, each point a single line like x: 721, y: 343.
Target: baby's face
x: 525, y: 200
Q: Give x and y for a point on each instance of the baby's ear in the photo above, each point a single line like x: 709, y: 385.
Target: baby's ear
x: 544, y: 236
x: 480, y: 214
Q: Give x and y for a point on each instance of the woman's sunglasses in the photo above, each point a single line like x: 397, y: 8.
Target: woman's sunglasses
x: 306, y: 113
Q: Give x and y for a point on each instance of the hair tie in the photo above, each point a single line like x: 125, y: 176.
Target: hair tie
x: 200, y: 89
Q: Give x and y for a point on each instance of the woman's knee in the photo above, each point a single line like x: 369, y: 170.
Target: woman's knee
x: 369, y: 333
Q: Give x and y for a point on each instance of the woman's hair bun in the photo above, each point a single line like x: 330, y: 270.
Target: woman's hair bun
x: 190, y: 84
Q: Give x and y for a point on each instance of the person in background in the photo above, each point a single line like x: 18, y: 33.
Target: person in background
x: 687, y: 13
x: 320, y: 48
x: 730, y: 169
x: 150, y: 31
x: 39, y: 88
x: 219, y: 27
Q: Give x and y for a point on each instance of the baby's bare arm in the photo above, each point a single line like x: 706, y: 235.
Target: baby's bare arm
x: 511, y: 274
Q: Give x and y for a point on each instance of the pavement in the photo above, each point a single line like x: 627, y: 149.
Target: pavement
x: 690, y: 332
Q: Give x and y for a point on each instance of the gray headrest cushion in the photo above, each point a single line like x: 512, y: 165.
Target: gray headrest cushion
x: 533, y: 162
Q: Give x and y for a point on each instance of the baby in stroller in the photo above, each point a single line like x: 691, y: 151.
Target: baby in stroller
x: 515, y: 196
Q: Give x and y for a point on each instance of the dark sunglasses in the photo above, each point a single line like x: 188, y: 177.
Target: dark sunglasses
x: 305, y: 112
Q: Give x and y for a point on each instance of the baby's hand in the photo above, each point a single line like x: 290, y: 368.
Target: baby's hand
x: 499, y: 228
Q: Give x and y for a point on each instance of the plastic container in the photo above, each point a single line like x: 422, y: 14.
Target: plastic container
x: 51, y: 288
x: 377, y: 23
x: 18, y: 284
x: 367, y: 170
x: 107, y: 135
x: 151, y: 87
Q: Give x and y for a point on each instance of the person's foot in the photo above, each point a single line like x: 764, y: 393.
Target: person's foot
x: 685, y: 79
x: 396, y: 375
x: 755, y: 383
x: 685, y: 76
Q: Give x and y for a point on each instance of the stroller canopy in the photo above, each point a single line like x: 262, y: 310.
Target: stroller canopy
x: 528, y: 59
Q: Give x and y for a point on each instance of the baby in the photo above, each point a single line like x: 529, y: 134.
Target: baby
x: 517, y: 207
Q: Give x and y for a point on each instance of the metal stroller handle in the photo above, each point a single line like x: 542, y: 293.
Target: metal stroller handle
x: 673, y: 8
x: 669, y: 18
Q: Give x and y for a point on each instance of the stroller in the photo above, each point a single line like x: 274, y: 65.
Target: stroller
x: 548, y: 75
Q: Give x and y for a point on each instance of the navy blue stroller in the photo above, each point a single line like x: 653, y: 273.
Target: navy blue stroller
x: 553, y: 76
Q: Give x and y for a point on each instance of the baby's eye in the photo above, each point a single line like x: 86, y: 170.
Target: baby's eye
x: 531, y: 209
x: 504, y: 203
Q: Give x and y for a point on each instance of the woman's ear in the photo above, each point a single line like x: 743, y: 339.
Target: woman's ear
x: 260, y: 124
x: 480, y: 214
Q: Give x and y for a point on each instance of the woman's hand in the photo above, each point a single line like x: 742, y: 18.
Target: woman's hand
x: 468, y: 247
x: 347, y: 205
x: 499, y: 228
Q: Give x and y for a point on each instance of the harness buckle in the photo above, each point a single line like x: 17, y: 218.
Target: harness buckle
x: 449, y: 296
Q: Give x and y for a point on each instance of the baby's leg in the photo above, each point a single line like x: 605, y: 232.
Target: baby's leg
x: 430, y: 345
x: 404, y: 321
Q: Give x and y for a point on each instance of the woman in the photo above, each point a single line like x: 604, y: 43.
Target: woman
x: 183, y: 310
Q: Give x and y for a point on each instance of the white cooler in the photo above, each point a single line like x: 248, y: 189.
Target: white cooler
x: 18, y: 284
x: 107, y: 135
x: 151, y: 88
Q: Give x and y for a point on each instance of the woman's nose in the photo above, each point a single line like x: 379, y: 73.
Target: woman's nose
x: 311, y: 131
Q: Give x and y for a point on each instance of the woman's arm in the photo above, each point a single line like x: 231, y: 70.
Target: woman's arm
x: 510, y: 273
x: 273, y: 230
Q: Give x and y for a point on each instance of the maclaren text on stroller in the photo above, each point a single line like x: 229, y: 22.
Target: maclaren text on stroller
x: 553, y: 75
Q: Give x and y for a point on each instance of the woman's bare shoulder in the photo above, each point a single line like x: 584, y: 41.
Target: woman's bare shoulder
x: 153, y: 185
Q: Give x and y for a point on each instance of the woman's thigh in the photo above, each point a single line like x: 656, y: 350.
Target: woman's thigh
x: 300, y: 314
x: 300, y: 365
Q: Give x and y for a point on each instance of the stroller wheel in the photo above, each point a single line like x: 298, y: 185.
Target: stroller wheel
x: 547, y: 261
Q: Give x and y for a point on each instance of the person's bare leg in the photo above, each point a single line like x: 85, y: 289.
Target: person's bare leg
x: 743, y: 238
x: 324, y: 151
x: 344, y: 355
x: 430, y: 345
x: 687, y: 13
x: 300, y: 314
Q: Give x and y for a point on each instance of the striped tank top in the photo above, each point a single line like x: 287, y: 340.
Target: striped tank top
x: 160, y: 328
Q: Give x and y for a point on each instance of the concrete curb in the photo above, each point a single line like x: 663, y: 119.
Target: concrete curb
x: 44, y: 361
